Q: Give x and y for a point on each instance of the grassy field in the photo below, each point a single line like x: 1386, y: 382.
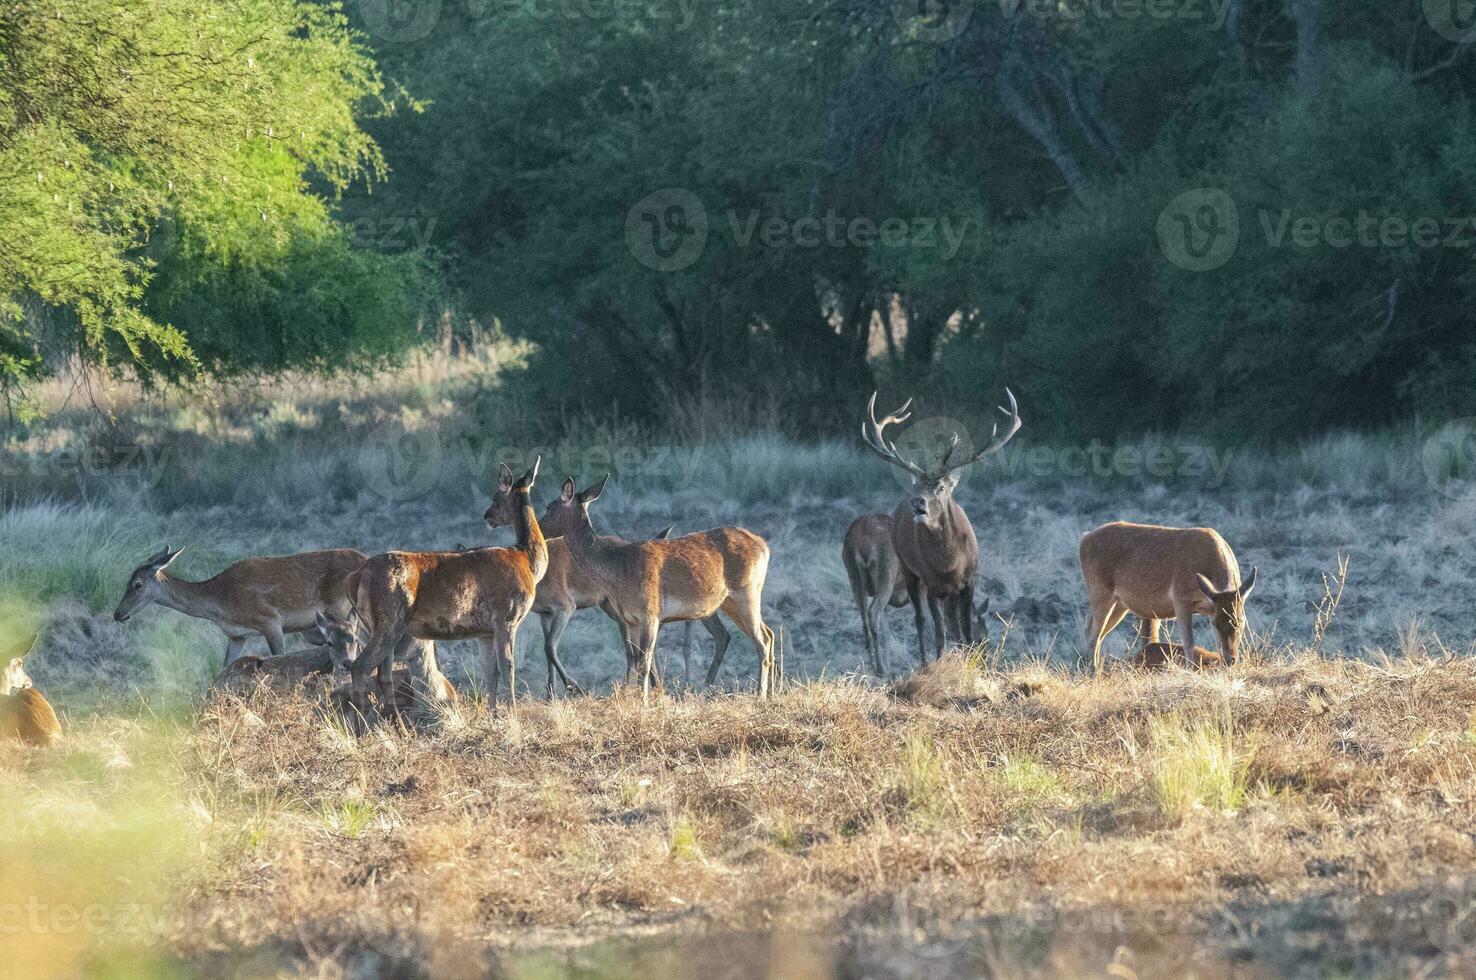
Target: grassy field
x: 1309, y: 811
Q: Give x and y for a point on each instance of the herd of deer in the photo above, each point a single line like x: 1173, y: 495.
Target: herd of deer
x: 362, y: 614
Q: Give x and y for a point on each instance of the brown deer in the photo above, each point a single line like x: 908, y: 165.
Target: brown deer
x: 480, y: 593
x: 332, y: 645
x: 255, y: 596
x: 690, y: 577
x: 1157, y: 573
x: 930, y: 532
x: 877, y: 578
x: 24, y: 713
x: 565, y: 589
x: 1160, y: 656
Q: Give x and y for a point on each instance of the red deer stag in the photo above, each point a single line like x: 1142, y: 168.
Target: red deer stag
x: 480, y: 593
x: 649, y: 583
x: 1157, y: 573
x: 255, y: 596
x: 930, y: 532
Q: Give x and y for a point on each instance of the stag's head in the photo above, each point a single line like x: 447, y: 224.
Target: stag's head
x: 569, y: 511
x: 511, y: 495
x: 145, y: 584
x: 1229, y: 612
x: 932, y: 488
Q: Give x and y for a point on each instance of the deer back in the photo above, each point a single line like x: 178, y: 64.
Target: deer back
x: 1149, y: 566
x: 869, y: 556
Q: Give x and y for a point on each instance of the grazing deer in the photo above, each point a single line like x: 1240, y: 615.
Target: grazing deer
x: 480, y: 593
x: 265, y: 596
x: 1159, y: 656
x: 565, y: 589
x: 1157, y: 573
x: 691, y: 577
x: 930, y: 532
x: 24, y: 713
x: 333, y: 645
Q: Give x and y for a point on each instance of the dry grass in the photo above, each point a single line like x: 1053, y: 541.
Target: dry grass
x: 872, y: 828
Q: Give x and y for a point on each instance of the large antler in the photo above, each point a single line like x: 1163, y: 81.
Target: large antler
x: 996, y: 441
x: 871, y: 434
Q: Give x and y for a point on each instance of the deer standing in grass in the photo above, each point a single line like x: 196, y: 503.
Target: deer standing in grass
x: 566, y: 589
x: 480, y: 593
x: 930, y: 531
x: 648, y: 583
x: 24, y: 713
x: 1158, y: 573
x: 256, y: 596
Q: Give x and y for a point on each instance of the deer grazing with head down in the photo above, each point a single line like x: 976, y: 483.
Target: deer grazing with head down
x: 930, y: 531
x: 648, y: 583
x: 1158, y: 573
x: 481, y: 593
x: 256, y: 596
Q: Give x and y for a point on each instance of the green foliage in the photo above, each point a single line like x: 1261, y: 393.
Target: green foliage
x: 121, y: 123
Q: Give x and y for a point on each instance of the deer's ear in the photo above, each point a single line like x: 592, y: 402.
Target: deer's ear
x: 592, y: 494
x: 1248, y: 584
x: 526, y: 483
x: 1207, y: 587
x: 504, y: 477
x: 165, y: 558
x: 566, y: 492
x: 663, y: 534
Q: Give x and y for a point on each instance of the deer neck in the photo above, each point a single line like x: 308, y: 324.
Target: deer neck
x: 530, y: 539
x: 196, y: 599
x: 593, y: 554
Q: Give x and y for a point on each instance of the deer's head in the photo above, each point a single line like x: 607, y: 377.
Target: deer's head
x: 341, y: 639
x: 15, y: 677
x: 511, y: 496
x: 146, y: 584
x: 932, y: 489
x: 1229, y: 612
x: 569, y: 511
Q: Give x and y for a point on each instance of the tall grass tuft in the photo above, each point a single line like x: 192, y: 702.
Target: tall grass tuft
x: 1199, y: 763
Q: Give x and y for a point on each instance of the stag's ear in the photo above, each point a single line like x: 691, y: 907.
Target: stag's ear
x: 504, y: 477
x: 526, y: 483
x: 663, y: 534
x: 566, y: 492
x: 592, y: 494
x: 1207, y: 587
x: 1248, y: 584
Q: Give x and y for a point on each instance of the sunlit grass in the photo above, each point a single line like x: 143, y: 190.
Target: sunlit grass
x: 1199, y: 763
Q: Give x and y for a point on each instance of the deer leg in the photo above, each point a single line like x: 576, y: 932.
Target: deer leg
x: 914, y: 595
x: 1148, y: 629
x: 508, y: 651
x: 273, y: 632
x: 1185, y: 616
x: 643, y: 647
x: 380, y: 649
x: 875, y: 614
x: 939, y: 634
x: 965, y: 607
x: 720, y: 640
x: 552, y: 634
x: 687, y: 654
x: 1104, y: 608
x: 743, y: 610
x: 868, y: 626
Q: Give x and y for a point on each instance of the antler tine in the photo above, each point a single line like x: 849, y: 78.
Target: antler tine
x: 872, y: 435
x: 996, y: 441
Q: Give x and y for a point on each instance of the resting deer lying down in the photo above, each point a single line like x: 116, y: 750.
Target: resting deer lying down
x: 24, y: 713
x: 1159, y: 656
x: 1160, y: 572
x: 255, y: 596
x: 334, y: 644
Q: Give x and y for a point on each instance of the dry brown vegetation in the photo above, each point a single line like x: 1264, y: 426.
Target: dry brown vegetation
x: 1285, y: 816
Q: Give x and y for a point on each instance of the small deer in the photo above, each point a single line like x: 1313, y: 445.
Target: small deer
x: 690, y: 577
x: 565, y: 589
x: 332, y: 645
x: 930, y: 531
x: 255, y: 596
x: 877, y: 577
x: 1160, y: 656
x: 24, y: 713
x: 480, y: 593
x: 1157, y: 573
